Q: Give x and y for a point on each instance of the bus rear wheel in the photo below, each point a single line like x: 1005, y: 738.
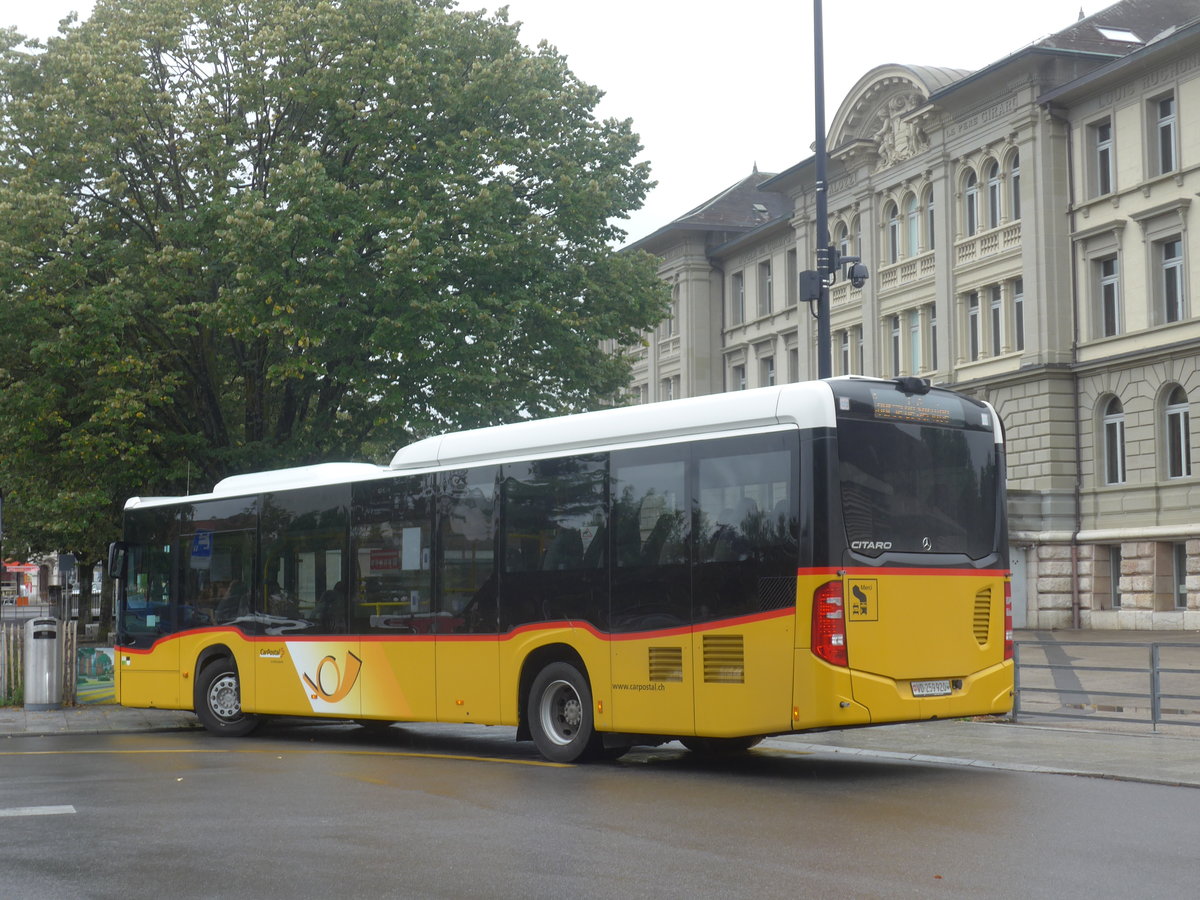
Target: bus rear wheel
x: 218, y: 701
x: 560, y: 715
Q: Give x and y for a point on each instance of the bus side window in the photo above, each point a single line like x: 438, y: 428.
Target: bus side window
x: 467, y: 550
x: 747, y: 519
x: 650, y: 584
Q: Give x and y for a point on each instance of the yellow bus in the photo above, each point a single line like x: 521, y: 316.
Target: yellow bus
x: 714, y: 570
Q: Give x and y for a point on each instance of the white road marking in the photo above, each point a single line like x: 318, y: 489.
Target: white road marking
x: 37, y: 811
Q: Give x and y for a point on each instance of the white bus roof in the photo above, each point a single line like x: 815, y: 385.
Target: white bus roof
x: 807, y: 404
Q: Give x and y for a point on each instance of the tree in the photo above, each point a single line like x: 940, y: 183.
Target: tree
x: 274, y: 232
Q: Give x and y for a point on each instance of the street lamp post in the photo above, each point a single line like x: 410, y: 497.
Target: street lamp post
x: 815, y: 285
x: 825, y: 267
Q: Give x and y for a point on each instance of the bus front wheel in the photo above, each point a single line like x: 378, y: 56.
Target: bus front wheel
x: 218, y: 701
x: 560, y: 715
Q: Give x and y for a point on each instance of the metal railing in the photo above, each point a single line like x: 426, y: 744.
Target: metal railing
x: 1099, y: 685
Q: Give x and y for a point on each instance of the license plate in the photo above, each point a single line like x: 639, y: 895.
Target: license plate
x: 931, y: 688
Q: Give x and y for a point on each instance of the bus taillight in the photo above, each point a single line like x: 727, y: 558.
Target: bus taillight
x: 829, y: 624
x: 1008, y: 628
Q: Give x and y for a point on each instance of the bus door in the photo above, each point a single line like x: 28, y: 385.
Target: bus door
x: 147, y: 660
x: 744, y: 583
x: 466, y: 622
x: 305, y: 662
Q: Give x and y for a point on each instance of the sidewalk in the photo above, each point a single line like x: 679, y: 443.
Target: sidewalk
x: 1109, y: 750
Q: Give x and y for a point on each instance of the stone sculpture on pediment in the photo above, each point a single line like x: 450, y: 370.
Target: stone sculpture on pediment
x: 897, y: 138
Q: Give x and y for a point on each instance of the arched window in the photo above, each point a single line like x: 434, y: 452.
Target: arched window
x: 892, y: 215
x: 993, y: 195
x: 1014, y: 187
x: 1114, y: 442
x: 841, y: 236
x: 1178, y: 435
x: 912, y: 226
x: 970, y: 204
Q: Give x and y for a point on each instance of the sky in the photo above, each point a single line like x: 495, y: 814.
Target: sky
x: 717, y: 88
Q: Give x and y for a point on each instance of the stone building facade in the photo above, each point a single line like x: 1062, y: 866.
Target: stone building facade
x: 1026, y: 231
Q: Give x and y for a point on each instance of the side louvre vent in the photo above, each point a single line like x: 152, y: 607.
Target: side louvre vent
x: 666, y: 664
x: 724, y: 659
x: 983, y: 615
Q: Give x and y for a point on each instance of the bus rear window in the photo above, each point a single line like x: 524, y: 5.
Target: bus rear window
x: 917, y: 488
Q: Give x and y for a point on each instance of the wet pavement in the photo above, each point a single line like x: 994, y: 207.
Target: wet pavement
x: 1102, y: 744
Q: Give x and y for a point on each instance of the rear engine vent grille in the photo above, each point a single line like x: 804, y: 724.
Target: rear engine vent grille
x: 724, y: 659
x: 983, y: 615
x: 666, y: 664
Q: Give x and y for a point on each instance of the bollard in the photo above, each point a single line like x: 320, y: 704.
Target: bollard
x: 43, y: 665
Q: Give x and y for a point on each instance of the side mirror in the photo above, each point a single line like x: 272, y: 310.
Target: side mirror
x: 118, y: 559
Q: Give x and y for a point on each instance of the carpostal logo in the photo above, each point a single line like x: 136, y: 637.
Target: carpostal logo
x: 870, y: 545
x: 329, y: 682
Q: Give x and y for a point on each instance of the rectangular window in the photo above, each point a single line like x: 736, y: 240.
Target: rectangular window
x: 862, y: 358
x: 1110, y: 296
x: 997, y: 318
x: 766, y: 371
x: 552, y: 548
x: 793, y: 364
x: 390, y: 546
x: 793, y: 279
x: 745, y: 510
x: 738, y: 378
x: 666, y: 328
x: 1102, y: 158
x: 914, y: 341
x: 1019, y: 313
x: 1114, y: 449
x: 467, y: 504
x: 993, y: 194
x: 738, y: 299
x: 895, y: 320
x: 1014, y: 182
x: 1179, y: 438
x: 765, y: 289
x: 973, y: 341
x: 929, y: 217
x: 912, y: 226
x: 933, y: 357
x: 651, y: 525
x: 1170, y: 254
x: 305, y: 557
x: 844, y: 345
x: 1179, y: 567
x: 1164, y: 134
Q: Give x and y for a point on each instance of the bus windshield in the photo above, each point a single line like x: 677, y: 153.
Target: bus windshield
x: 923, y: 482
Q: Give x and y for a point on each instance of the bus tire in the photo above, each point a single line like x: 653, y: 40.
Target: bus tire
x: 560, y: 715
x: 715, y: 746
x: 218, y: 700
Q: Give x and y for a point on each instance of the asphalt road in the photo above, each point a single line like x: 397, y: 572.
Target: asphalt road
x: 337, y: 811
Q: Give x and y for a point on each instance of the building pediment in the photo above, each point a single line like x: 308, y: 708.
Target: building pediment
x: 884, y: 115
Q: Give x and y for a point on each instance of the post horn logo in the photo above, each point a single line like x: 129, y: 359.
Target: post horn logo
x: 342, y: 682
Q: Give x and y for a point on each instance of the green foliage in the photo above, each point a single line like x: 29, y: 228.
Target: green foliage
x: 274, y: 232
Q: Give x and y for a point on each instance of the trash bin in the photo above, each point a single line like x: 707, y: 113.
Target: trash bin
x: 43, y: 664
